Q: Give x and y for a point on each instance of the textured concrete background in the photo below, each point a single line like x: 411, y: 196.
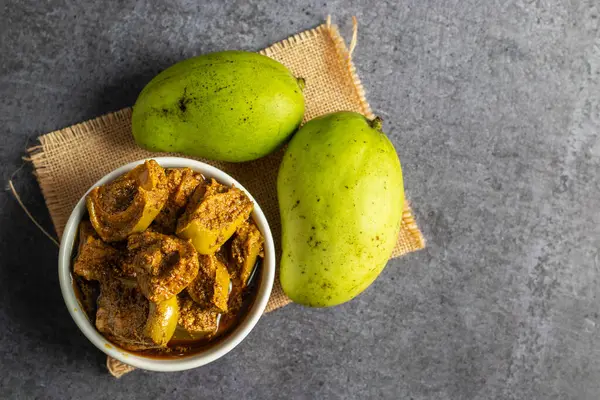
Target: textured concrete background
x: 494, y: 108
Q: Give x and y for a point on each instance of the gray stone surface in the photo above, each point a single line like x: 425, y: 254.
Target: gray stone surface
x: 495, y: 110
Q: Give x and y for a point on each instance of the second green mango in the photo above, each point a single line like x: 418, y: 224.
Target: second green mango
x: 341, y: 197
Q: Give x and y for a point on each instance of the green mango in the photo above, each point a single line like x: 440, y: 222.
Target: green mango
x: 228, y: 106
x: 341, y: 198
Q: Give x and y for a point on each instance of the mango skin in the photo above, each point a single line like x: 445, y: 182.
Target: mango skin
x: 229, y: 106
x: 341, y: 197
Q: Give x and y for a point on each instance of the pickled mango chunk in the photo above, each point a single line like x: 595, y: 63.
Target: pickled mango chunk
x: 210, y: 289
x: 130, y: 203
x: 195, y: 319
x: 162, y: 321
x: 212, y: 216
x: 164, y: 265
x: 246, y: 246
x: 95, y: 259
x: 181, y: 183
x: 125, y: 316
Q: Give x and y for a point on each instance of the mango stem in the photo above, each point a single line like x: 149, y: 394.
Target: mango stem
x: 376, y: 123
x: 301, y: 83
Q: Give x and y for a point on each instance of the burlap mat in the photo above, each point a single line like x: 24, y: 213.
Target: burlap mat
x: 67, y: 162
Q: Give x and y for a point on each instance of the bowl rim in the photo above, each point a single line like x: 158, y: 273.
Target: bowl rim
x: 221, y: 347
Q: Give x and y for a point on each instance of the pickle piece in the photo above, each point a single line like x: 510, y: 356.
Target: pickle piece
x: 246, y: 246
x: 181, y: 183
x: 124, y: 316
x: 164, y: 265
x: 210, y: 289
x: 162, y: 321
x: 94, y: 258
x: 212, y: 216
x: 221, y: 287
x: 194, y: 319
x: 129, y: 204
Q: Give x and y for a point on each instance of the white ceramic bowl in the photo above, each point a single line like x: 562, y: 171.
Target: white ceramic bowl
x: 220, y: 348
